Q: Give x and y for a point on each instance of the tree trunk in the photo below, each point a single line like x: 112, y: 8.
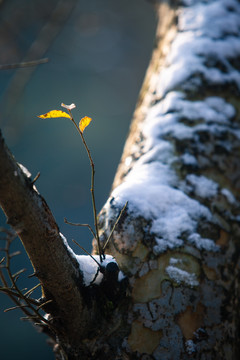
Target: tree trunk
x: 177, y: 241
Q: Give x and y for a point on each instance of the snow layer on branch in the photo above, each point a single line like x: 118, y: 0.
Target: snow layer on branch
x: 24, y: 170
x: 90, y: 268
x: 152, y: 185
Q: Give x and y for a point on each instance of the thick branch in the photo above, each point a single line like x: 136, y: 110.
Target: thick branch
x: 56, y: 268
x: 84, y: 315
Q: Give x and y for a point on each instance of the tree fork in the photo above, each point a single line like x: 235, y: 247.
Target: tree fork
x: 76, y: 312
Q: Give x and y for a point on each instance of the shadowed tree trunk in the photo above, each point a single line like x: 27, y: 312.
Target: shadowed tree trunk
x: 178, y: 240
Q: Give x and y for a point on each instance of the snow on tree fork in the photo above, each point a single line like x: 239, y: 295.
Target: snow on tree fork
x: 180, y: 171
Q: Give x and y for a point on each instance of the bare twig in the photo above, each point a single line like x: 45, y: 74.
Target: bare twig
x: 18, y: 273
x: 77, y: 224
x: 29, y: 292
x: 23, y: 64
x: 75, y: 242
x: 38, y: 49
x: 45, y: 303
x: 16, y: 253
x: 8, y: 291
x: 13, y: 291
x: 32, y: 275
x: 36, y: 178
x: 15, y: 307
x: 114, y: 226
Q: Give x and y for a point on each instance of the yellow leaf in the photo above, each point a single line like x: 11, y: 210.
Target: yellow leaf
x: 84, y: 122
x: 55, y: 114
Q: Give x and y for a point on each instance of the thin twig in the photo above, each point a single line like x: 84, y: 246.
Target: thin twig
x: 75, y: 242
x: 12, y: 296
x: 31, y: 307
x: 36, y: 178
x: 15, y: 307
x: 8, y: 291
x: 23, y: 64
x: 8, y: 232
x: 18, y: 273
x: 45, y: 303
x: 15, y: 287
x: 77, y: 224
x: 114, y: 226
x: 29, y: 318
x: 32, y: 275
x: 29, y: 292
x: 92, y: 185
x: 16, y: 253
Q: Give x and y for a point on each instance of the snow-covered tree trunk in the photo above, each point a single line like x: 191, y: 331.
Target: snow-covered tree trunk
x: 180, y: 173
x: 178, y: 240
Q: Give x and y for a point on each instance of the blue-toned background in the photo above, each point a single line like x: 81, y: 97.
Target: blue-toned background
x: 98, y: 52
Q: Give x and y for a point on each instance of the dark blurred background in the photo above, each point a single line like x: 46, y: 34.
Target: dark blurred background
x: 98, y: 53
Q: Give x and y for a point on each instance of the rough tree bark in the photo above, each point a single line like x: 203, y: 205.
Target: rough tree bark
x: 178, y: 241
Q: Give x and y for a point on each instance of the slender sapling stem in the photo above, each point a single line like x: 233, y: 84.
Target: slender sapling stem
x: 92, y: 185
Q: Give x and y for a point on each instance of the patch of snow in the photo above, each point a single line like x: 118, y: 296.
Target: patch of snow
x: 189, y: 159
x: 230, y: 197
x: 223, y: 109
x: 202, y: 243
x: 181, y: 276
x: 121, y: 276
x: 206, y: 18
x: 152, y: 187
x: 24, y: 170
x: 190, y: 347
x: 90, y: 268
x: 203, y: 187
x: 162, y: 152
x: 172, y: 212
x: 174, y: 261
x: 67, y: 246
x: 163, y: 245
x: 47, y: 316
x: 203, y: 28
x: 128, y: 160
x: 164, y: 119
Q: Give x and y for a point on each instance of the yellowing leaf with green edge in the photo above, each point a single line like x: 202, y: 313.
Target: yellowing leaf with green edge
x: 84, y: 122
x: 55, y: 114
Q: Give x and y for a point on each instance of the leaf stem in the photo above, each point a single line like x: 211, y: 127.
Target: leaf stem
x: 92, y: 186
